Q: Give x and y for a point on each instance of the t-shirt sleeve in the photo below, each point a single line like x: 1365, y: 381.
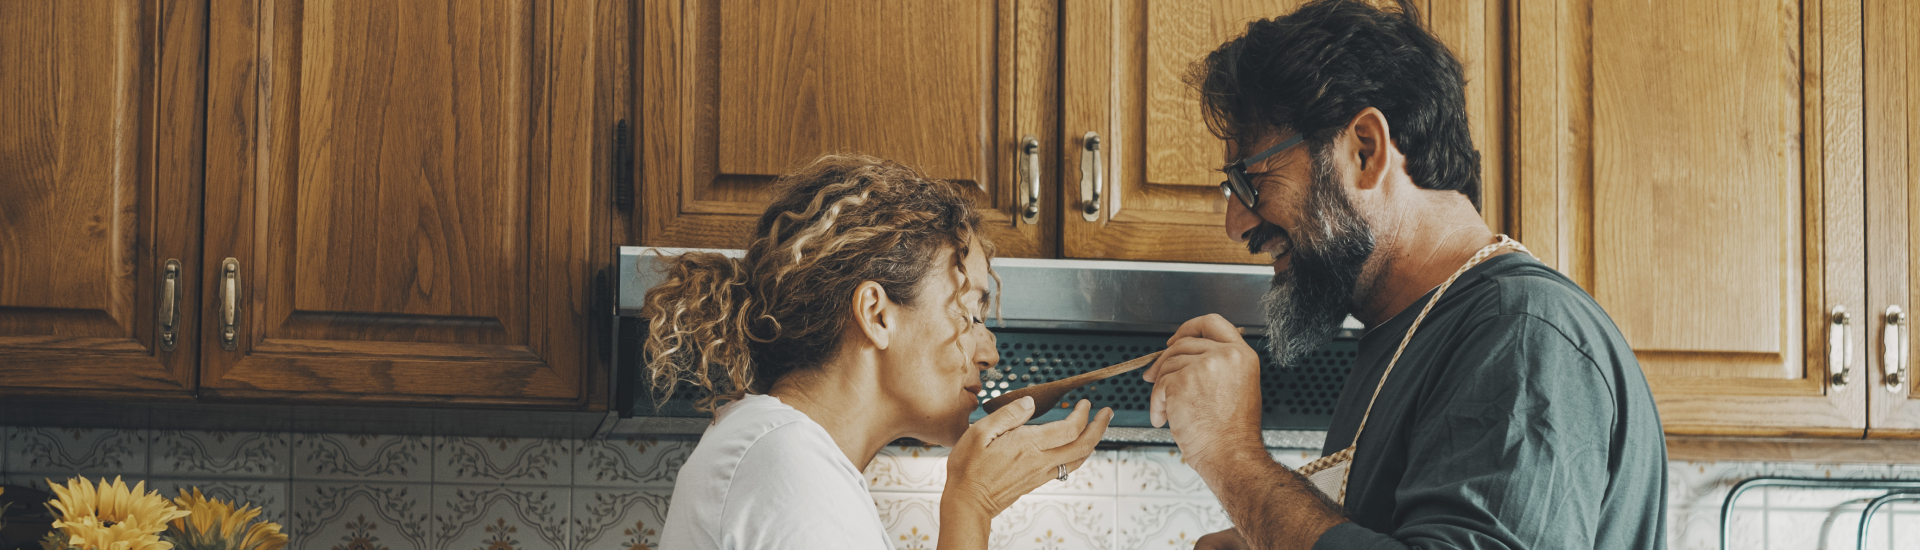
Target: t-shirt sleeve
x: 1509, y: 450
x: 801, y: 499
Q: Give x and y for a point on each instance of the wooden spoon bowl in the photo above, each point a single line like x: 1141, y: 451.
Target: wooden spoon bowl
x: 1047, y: 396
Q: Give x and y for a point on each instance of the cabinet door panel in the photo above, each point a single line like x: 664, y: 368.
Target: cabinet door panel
x: 411, y: 207
x: 1893, y: 210
x: 99, y: 185
x: 734, y: 94
x: 1711, y: 206
x: 1125, y: 69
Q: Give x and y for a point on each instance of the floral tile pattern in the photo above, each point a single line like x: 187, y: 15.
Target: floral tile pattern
x: 502, y: 460
x: 494, y: 517
x: 1160, y: 471
x: 69, y: 451
x: 389, y: 492
x: 917, y: 468
x: 361, y: 516
x: 222, y: 454
x: 1705, y: 484
x: 629, y: 461
x: 606, y: 518
x: 912, y: 520
x: 1055, y: 523
x: 268, y: 494
x: 1167, y: 522
x: 354, y: 457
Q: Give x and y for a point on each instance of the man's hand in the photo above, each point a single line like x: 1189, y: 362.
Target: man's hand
x: 1225, y: 540
x: 1207, y: 387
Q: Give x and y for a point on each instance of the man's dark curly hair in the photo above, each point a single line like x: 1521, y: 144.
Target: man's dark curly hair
x: 1314, y: 69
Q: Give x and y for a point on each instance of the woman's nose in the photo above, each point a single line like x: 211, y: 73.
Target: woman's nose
x: 986, y: 353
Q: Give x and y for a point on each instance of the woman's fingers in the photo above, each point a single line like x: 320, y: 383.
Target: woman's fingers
x: 1001, y: 421
x: 1061, y: 432
x: 1100, y: 426
x: 1078, y: 450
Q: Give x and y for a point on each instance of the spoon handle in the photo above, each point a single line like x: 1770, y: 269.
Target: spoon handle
x: 1110, y: 371
x: 1047, y: 395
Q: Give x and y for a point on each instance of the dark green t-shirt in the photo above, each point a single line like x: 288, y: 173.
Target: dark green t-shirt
x: 1517, y: 418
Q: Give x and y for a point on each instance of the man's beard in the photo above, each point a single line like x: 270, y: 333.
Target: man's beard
x: 1307, y: 303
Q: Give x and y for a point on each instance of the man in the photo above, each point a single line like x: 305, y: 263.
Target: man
x: 1515, y: 417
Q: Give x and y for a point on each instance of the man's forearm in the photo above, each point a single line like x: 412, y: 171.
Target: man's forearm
x: 1273, y: 507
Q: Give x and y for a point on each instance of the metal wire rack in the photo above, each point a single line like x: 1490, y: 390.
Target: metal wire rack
x: 1897, y: 489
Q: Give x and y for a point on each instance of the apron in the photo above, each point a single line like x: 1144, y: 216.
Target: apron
x: 1329, y: 473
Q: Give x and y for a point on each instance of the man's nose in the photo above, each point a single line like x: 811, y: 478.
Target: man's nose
x: 1240, y: 220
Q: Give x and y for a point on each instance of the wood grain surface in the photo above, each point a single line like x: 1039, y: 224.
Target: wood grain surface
x: 410, y: 191
x: 735, y: 95
x: 1697, y: 167
x: 1125, y: 68
x: 1892, y: 74
x: 100, y: 168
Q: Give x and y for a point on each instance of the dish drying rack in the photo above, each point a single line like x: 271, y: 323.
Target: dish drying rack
x: 1897, y: 490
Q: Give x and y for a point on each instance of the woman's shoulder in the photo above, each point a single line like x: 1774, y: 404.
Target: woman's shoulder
x: 760, y: 432
x: 767, y: 476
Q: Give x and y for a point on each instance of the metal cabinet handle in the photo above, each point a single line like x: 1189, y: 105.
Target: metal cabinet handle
x: 1093, y: 177
x: 229, y: 304
x: 1895, y: 342
x: 1840, y: 347
x: 169, y: 309
x: 1030, y: 177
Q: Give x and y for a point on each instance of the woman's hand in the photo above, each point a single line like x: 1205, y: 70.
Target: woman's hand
x: 999, y: 459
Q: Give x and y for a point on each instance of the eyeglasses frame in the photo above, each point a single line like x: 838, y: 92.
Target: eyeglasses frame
x: 1237, y: 185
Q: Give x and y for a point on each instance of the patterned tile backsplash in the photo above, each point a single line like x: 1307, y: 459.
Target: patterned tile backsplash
x: 390, y: 492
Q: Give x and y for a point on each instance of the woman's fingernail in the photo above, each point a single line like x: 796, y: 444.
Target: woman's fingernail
x: 1024, y: 402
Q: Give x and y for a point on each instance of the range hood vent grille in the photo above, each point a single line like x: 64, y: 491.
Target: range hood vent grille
x: 1300, y: 398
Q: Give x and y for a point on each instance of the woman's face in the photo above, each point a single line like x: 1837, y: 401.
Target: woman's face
x: 933, y: 374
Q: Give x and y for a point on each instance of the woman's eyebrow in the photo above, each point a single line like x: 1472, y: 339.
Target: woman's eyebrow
x: 985, y: 295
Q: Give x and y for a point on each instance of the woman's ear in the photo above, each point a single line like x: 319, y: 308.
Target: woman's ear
x: 873, y: 313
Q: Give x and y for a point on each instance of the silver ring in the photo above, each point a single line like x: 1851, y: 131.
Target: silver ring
x: 1063, y: 473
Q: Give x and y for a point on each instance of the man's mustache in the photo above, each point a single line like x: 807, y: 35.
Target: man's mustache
x: 1258, y: 236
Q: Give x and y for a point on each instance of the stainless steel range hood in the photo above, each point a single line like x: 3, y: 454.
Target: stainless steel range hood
x: 1041, y: 300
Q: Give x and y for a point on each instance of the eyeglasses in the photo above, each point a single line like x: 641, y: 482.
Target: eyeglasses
x: 1237, y: 184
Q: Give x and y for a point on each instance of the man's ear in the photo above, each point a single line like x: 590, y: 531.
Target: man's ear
x: 874, y: 315
x: 1373, y: 150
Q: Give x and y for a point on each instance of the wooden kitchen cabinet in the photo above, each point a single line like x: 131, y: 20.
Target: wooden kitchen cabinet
x: 400, y: 202
x: 1155, y: 180
x: 734, y: 94
x: 100, y: 148
x: 1697, y: 167
x: 1892, y: 38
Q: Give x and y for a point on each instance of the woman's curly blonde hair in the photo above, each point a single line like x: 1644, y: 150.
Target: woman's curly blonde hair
x: 737, y: 326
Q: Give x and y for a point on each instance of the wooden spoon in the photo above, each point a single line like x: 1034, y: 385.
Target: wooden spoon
x: 1047, y: 396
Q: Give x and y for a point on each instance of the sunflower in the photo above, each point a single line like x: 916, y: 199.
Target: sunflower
x: 111, y: 516
x: 216, y: 525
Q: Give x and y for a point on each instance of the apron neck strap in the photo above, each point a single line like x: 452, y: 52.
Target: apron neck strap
x: 1502, y: 243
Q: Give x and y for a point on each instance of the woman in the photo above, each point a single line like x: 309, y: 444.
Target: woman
x: 856, y: 318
